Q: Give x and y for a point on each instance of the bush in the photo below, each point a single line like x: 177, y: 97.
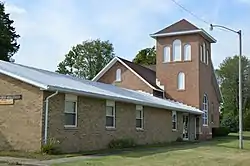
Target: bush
x: 179, y: 139
x: 121, y: 143
x: 51, y: 147
x: 231, y: 122
x: 220, y: 131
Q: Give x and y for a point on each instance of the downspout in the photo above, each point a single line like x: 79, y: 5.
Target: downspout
x: 47, y: 115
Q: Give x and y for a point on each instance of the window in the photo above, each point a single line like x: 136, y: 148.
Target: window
x: 187, y: 52
x: 181, y: 81
x: 110, y: 114
x: 201, y: 52
x: 204, y: 53
x: 174, y: 120
x: 207, y: 56
x: 177, y: 50
x: 139, y: 117
x: 118, y: 75
x: 70, y: 111
x: 205, y: 110
x: 166, y: 54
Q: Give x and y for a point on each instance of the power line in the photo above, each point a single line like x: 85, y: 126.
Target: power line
x: 190, y: 12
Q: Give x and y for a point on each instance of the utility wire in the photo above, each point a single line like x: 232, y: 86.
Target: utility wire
x: 190, y: 12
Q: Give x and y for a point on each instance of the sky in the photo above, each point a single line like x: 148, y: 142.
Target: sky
x: 50, y: 28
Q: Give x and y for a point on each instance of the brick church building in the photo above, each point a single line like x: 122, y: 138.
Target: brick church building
x: 183, y: 72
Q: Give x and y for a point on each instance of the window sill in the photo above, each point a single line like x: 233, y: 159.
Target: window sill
x: 69, y: 127
x: 110, y: 128
x: 204, y: 125
x: 179, y: 61
x: 139, y: 129
x: 174, y: 130
x: 181, y: 90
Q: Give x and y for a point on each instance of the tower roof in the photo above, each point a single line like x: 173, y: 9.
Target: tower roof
x: 183, y: 27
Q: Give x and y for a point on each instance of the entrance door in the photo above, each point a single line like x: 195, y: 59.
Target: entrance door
x: 197, y: 127
x: 185, y: 127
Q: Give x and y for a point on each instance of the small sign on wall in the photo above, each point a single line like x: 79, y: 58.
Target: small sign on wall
x: 6, y: 101
x: 9, y: 99
x: 14, y: 97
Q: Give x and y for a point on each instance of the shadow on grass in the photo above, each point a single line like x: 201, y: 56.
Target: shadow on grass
x: 147, y: 150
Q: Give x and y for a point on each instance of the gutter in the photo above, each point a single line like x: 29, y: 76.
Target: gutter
x: 47, y: 115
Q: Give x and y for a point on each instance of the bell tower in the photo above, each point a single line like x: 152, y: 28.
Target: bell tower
x: 183, y: 56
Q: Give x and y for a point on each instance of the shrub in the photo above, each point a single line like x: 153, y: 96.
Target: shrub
x: 179, y: 139
x: 220, y: 131
x: 51, y: 147
x: 231, y: 122
x: 121, y: 143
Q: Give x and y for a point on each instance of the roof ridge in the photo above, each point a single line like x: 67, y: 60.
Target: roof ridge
x: 135, y: 63
x: 181, y: 25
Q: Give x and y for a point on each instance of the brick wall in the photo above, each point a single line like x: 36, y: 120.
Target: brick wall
x: 20, y: 124
x: 129, y: 80
x: 91, y: 133
x: 167, y: 72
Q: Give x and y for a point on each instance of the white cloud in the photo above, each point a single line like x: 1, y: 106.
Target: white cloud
x: 10, y: 8
x: 51, y: 28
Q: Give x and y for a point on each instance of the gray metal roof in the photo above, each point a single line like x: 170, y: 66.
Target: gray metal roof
x: 52, y: 81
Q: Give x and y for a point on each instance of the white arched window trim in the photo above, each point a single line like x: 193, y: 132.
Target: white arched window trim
x: 166, y: 54
x: 205, y: 110
x: 181, y: 81
x: 187, y: 52
x: 177, y: 50
x: 204, y: 53
x: 118, y: 75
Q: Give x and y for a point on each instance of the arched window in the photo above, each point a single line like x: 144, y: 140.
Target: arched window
x: 205, y: 110
x: 177, y: 50
x: 207, y: 55
x: 187, y: 52
x: 201, y: 53
x: 204, y: 53
x: 166, y: 54
x: 181, y: 81
x: 118, y: 75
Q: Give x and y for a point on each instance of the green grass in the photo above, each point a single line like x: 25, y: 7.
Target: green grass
x: 217, y: 152
x: 30, y: 155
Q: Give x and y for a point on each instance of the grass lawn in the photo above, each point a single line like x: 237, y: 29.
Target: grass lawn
x: 38, y: 156
x: 217, y: 152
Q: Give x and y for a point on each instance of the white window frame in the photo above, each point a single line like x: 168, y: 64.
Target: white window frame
x: 181, y: 81
x: 174, y: 120
x: 110, y: 103
x: 187, y: 52
x: 205, y: 108
x: 201, y: 52
x: 177, y: 43
x: 204, y: 53
x: 70, y: 98
x: 139, y: 108
x: 207, y: 56
x: 118, y: 75
x: 166, y: 54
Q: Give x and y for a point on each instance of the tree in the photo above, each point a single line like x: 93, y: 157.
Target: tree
x: 228, y: 74
x: 8, y: 36
x: 87, y: 59
x: 146, y: 56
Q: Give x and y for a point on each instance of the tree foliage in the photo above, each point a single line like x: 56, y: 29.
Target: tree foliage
x: 146, y: 56
x: 87, y: 59
x: 228, y: 77
x: 8, y: 36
